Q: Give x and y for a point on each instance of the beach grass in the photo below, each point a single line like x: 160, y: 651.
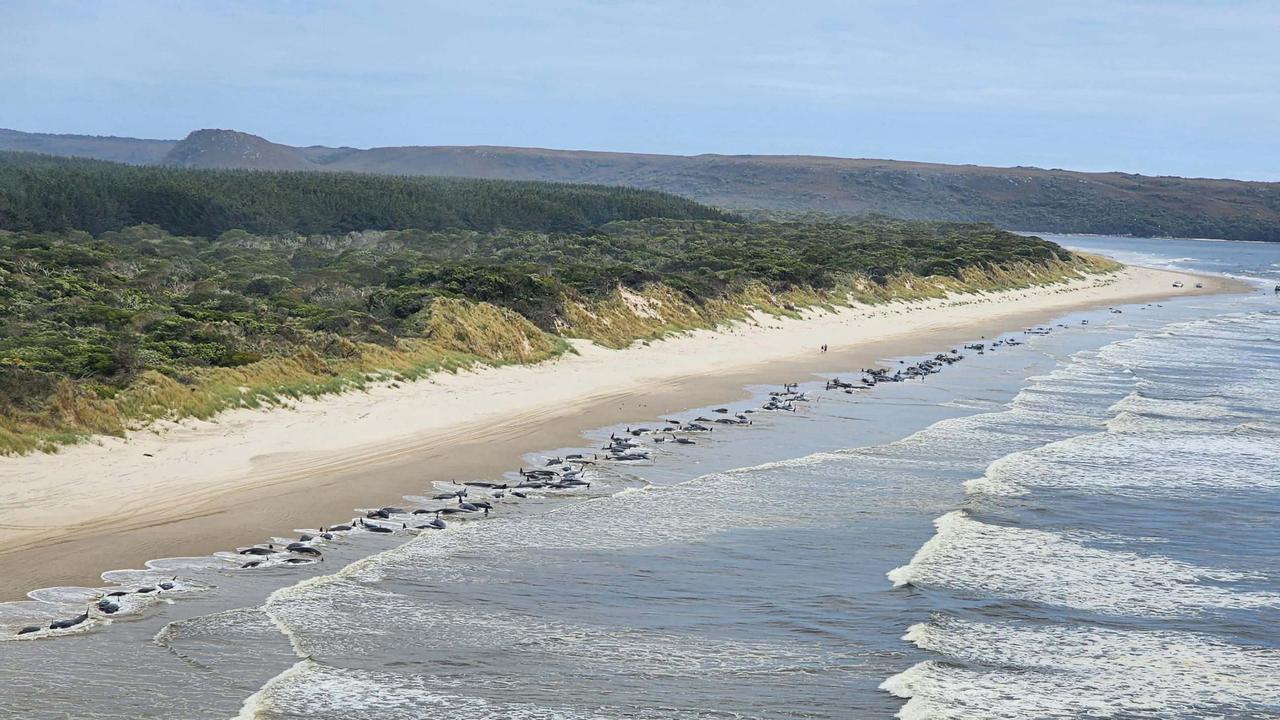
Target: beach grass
x: 457, y: 334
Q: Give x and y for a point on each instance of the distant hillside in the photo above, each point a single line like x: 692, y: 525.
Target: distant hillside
x: 115, y: 149
x: 223, y: 149
x: 1022, y: 198
x: 42, y: 193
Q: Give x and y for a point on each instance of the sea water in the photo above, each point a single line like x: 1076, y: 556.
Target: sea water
x: 1084, y: 525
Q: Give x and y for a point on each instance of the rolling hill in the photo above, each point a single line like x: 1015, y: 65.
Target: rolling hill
x: 41, y: 193
x: 115, y: 149
x: 1018, y: 197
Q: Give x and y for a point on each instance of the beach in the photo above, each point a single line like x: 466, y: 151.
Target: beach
x: 194, y: 487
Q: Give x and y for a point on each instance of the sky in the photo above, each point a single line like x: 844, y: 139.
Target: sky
x: 1157, y: 87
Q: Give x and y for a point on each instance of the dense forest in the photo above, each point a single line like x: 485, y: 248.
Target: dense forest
x: 1022, y: 198
x: 45, y: 193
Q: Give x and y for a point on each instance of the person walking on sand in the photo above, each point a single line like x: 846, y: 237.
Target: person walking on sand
x: 824, y: 347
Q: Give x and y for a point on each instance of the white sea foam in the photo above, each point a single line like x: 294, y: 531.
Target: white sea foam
x: 1062, y: 671
x: 1183, y: 411
x: 1122, y: 464
x: 978, y: 558
x: 1191, y: 406
x: 311, y: 690
x: 1173, y: 415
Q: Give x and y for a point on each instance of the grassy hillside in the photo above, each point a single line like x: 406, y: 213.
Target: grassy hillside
x: 44, y: 193
x: 103, y: 332
x: 1021, y: 198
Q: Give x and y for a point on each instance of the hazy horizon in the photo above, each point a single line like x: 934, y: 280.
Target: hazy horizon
x: 1158, y: 88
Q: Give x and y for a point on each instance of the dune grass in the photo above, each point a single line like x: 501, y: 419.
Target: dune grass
x: 456, y: 334
x: 657, y: 311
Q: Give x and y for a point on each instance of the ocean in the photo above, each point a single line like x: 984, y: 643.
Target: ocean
x: 1086, y: 524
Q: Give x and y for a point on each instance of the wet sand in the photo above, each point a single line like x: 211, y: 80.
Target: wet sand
x: 206, y: 486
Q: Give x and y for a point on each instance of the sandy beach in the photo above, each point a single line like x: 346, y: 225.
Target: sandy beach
x: 194, y: 487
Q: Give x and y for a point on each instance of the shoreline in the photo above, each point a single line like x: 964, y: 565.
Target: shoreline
x: 1042, y: 233
x: 197, y: 487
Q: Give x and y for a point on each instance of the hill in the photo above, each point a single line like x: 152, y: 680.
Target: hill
x: 230, y: 149
x: 43, y: 193
x: 1018, y: 197
x: 115, y: 149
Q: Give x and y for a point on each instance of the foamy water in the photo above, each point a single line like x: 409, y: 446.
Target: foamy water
x: 1013, y: 670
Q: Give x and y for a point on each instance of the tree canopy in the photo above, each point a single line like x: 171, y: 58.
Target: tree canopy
x: 44, y: 193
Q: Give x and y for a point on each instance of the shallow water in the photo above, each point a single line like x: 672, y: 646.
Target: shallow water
x: 1084, y: 524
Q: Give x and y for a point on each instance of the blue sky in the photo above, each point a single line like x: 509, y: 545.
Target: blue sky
x: 1186, y: 88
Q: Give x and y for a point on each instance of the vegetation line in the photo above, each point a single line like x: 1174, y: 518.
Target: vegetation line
x: 245, y: 289
x: 113, y: 333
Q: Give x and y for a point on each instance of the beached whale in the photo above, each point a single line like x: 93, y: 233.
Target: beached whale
x: 258, y: 551
x: 69, y: 623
